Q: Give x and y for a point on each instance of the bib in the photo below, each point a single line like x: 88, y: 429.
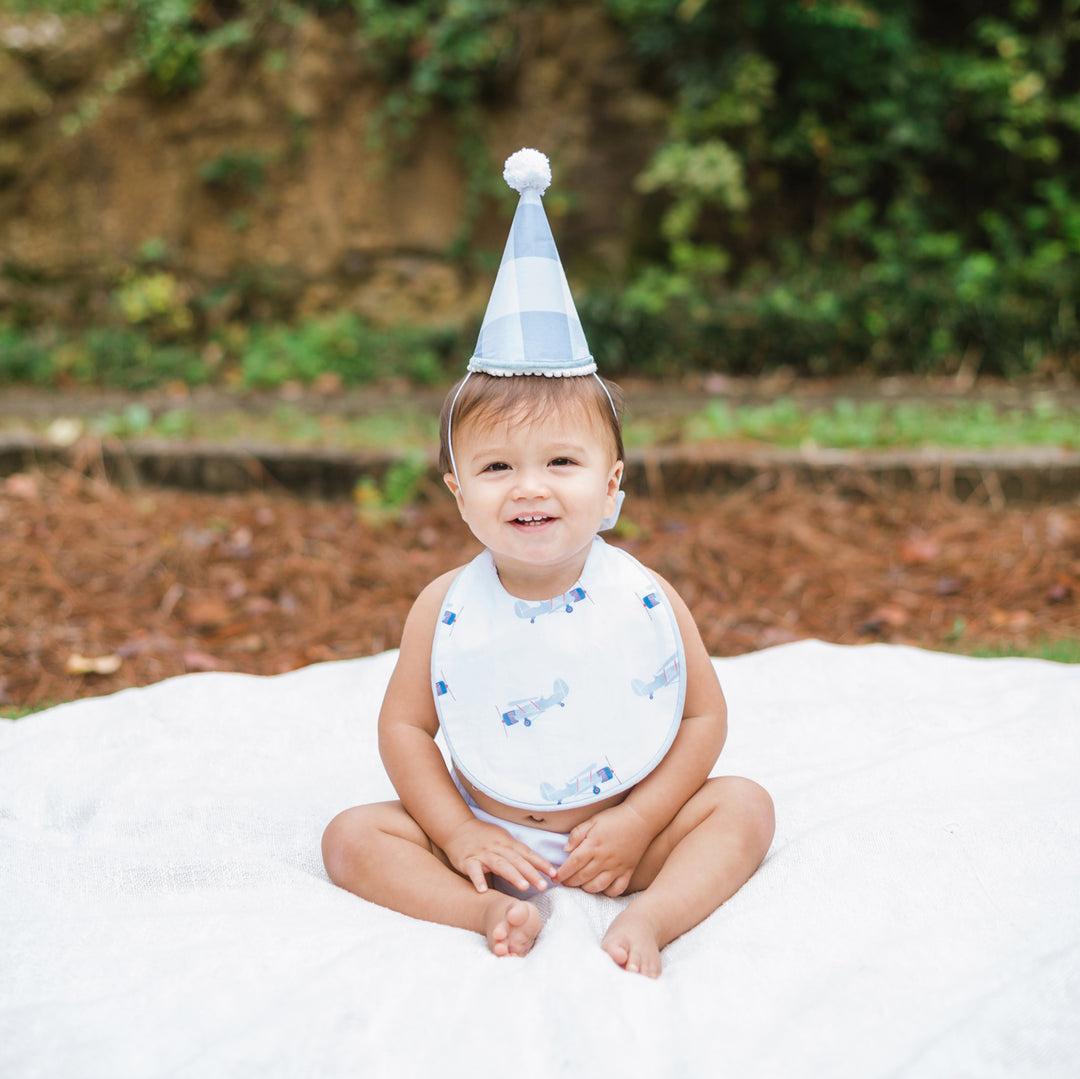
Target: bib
x: 562, y: 702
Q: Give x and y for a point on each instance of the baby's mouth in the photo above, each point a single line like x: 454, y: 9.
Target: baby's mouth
x: 532, y: 520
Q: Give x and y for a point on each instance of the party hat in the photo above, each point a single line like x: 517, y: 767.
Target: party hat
x: 531, y: 326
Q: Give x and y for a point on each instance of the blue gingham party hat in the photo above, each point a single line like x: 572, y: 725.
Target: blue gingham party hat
x: 531, y: 326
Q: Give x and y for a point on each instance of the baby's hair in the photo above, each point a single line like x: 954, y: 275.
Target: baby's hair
x: 488, y: 398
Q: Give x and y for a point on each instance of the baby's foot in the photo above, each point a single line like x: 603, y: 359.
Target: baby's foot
x: 512, y: 926
x: 632, y: 942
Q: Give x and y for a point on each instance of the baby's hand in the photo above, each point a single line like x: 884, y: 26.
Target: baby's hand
x: 605, y: 851
x: 476, y: 848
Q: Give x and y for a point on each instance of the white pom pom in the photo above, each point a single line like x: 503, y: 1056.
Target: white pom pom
x: 527, y: 169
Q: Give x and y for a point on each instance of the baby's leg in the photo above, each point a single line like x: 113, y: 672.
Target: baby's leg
x: 380, y: 853
x: 700, y: 860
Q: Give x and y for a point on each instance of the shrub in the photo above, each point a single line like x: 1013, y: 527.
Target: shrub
x: 344, y: 345
x: 858, y: 182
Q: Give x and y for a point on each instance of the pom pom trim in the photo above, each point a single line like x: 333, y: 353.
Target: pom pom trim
x: 528, y: 170
x: 480, y: 367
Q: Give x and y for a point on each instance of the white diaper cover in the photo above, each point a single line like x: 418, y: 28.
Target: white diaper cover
x: 548, y: 845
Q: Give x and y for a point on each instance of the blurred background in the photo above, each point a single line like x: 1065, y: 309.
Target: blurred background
x: 797, y: 225
x: 252, y: 192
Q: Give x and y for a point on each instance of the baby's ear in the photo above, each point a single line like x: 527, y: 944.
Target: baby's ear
x: 615, y: 497
x: 455, y: 489
x: 615, y: 477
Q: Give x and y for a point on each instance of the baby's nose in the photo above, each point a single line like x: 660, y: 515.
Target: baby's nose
x: 531, y: 483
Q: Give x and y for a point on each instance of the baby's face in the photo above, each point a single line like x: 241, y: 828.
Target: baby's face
x: 534, y: 491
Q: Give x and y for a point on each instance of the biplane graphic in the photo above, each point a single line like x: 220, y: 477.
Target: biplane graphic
x: 565, y: 602
x: 527, y: 709
x: 593, y: 777
x: 666, y: 676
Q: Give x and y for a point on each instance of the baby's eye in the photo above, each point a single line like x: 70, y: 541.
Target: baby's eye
x: 560, y: 462
x: 496, y: 466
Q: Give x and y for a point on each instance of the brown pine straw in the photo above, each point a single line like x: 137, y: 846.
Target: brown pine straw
x: 103, y: 587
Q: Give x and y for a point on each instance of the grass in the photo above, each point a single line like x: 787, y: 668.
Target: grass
x: 404, y: 429
x: 13, y: 712
x: 1064, y: 650
x: 397, y: 426
x: 876, y: 424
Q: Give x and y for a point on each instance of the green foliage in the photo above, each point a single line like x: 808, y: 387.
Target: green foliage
x: 24, y: 358
x: 844, y: 184
x: 102, y: 356
x: 426, y: 52
x: 429, y: 51
x: 379, y: 503
x: 141, y: 353
x: 877, y: 424
x: 1063, y: 650
x: 58, y: 7
x: 172, y: 37
x: 155, y: 300
x: 137, y: 420
x: 343, y: 345
x: 434, y: 55
x: 167, y: 42
x: 127, y: 358
x: 850, y: 183
x: 13, y: 712
x: 236, y: 171
x: 169, y: 38
x: 132, y: 421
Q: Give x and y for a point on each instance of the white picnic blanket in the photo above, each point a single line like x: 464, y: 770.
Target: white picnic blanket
x: 164, y: 909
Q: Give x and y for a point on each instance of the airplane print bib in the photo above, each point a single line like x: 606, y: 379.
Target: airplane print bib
x: 561, y: 702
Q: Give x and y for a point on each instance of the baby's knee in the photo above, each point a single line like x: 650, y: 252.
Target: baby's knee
x: 344, y: 843
x: 762, y: 812
x: 751, y: 805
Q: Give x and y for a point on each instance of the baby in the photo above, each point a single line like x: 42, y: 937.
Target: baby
x: 580, y: 707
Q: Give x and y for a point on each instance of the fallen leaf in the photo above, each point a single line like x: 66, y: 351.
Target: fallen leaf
x: 1059, y: 593
x: 172, y: 596
x: 64, y: 431
x: 887, y: 615
x: 950, y: 586
x: 327, y: 384
x: 1000, y: 619
x: 77, y: 664
x: 251, y: 642
x: 207, y: 613
x: 22, y: 485
x: 917, y: 550
x: 200, y: 661
x: 143, y: 644
x: 429, y: 537
x: 774, y: 635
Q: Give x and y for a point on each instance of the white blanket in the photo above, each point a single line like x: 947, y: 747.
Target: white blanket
x: 164, y: 909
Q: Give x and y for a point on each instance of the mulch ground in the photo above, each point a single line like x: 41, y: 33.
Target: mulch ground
x: 104, y: 588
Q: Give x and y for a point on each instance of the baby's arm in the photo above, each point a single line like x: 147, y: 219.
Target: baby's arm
x: 408, y: 723
x: 606, y: 849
